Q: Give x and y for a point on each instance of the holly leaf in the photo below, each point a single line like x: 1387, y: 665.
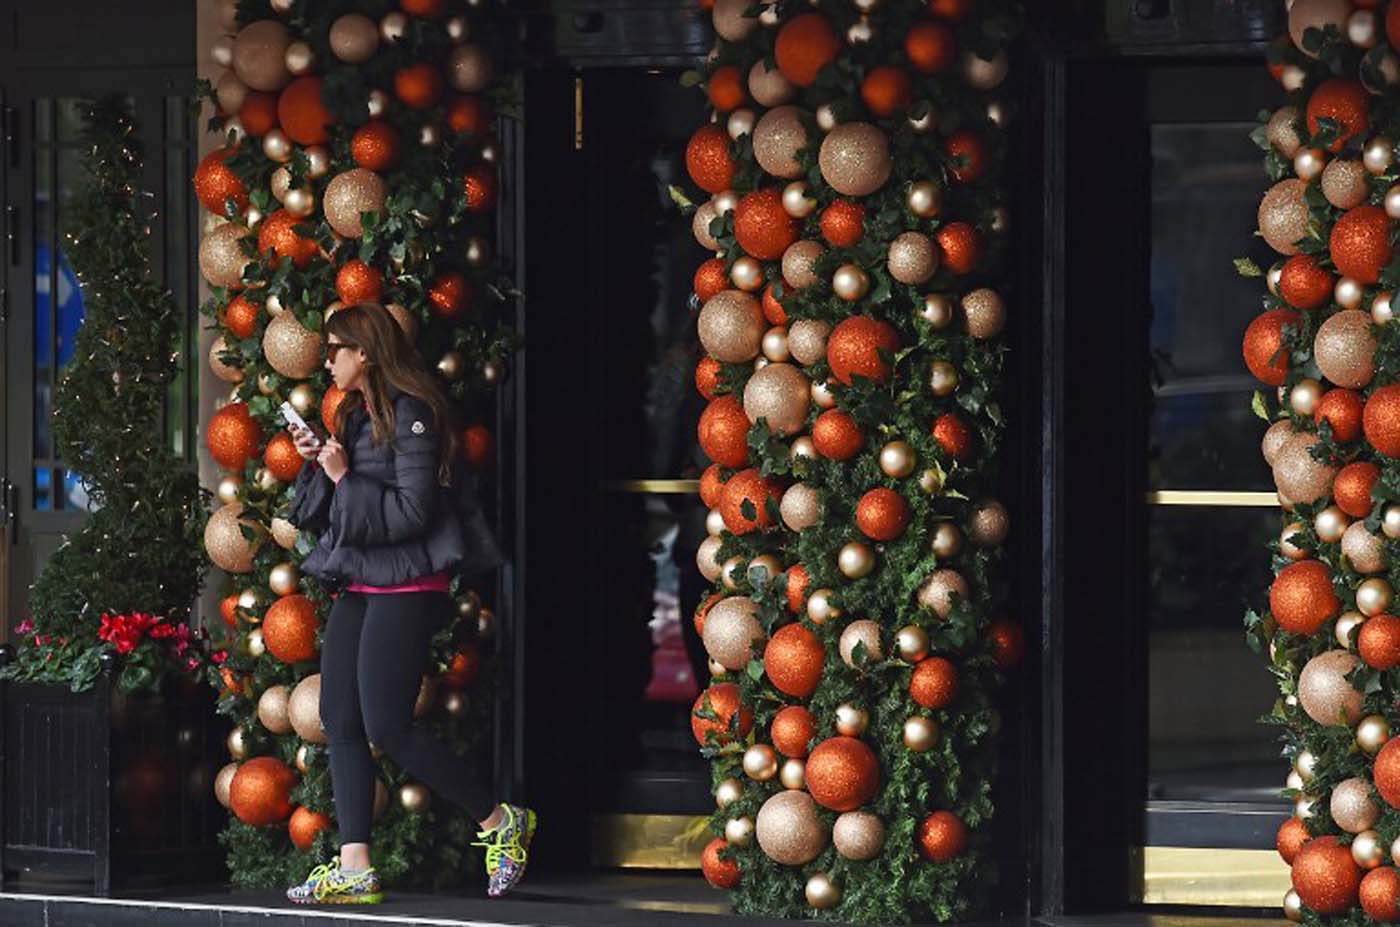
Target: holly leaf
x: 1258, y: 405
x: 1246, y: 267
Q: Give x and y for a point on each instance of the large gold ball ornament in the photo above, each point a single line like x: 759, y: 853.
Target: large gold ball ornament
x: 989, y: 523
x: 224, y: 541
x: 768, y: 86
x: 469, y: 68
x: 777, y: 139
x: 821, y: 891
x: 984, y: 313
x: 348, y: 195
x: 222, y: 782
x: 1275, y: 436
x: 226, y: 372
x: 291, y: 349
x: 822, y: 607
x: 415, y: 797
x: 799, y: 263
x: 920, y: 733
x: 1352, y: 807
x: 760, y: 762
x: 221, y: 259
x: 1344, y: 349
x: 852, y: 720
x: 1282, y: 132
x: 260, y: 55
x: 780, y: 394
x: 1316, y: 14
x: 856, y: 559
x: 728, y: 792
x: 731, y: 327
x: 739, y: 831
x: 354, y: 38
x: 789, y: 830
x: 237, y: 742
x: 793, y: 774
x: 938, y: 592
x: 806, y: 340
x: 284, y: 533
x: 911, y: 643
x: 1372, y: 732
x: 913, y: 258
x: 284, y: 578
x: 1297, y: 474
x: 858, y: 835
x: 732, y: 630
x: 1283, y: 215
x: 864, y: 632
x: 1345, y: 184
x: 1325, y: 693
x: 304, y: 710
x: 1365, y: 550
x: 1374, y: 596
x: 854, y: 158
x: 272, y: 709
x: 230, y: 92
x: 898, y: 459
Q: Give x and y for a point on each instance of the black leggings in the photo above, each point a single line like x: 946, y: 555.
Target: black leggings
x: 373, y: 655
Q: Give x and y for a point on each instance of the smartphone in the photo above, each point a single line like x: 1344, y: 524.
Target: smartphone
x: 293, y: 417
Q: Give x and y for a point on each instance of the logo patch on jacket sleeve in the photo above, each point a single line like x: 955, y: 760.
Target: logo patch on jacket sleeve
x: 419, y: 428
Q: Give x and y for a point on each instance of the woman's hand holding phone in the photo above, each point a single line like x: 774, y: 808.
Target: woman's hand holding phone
x: 307, y: 443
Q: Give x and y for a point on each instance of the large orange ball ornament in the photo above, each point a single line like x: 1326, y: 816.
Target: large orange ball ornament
x: 882, y: 514
x: 967, y: 156
x: 930, y: 47
x: 1351, y: 487
x: 1344, y: 100
x: 961, y: 245
x: 215, y: 182
x: 375, y: 145
x: 711, y: 486
x: 843, y: 773
x: 481, y: 187
x: 1360, y: 243
x: 836, y: 435
x: 793, y: 659
x: 1325, y: 876
x: 289, y: 629
x: 854, y: 345
x: 330, y: 402
x: 725, y: 88
x: 1291, y: 837
x: 418, y: 86
x: 478, y: 446
x: 934, y: 683
x: 707, y: 375
x: 1263, y: 339
x: 887, y: 90
x: 798, y: 580
x: 708, y: 160
x: 773, y: 310
x: 1301, y: 597
x: 1380, y: 894
x: 463, y: 668
x: 469, y: 114
x: 710, y: 280
x: 1341, y: 409
x: 259, y: 112
x: 304, y: 117
x: 233, y: 436
x: 953, y: 435
x: 942, y: 836
x: 278, y: 238
x: 281, y: 457
x: 450, y: 295
x: 724, y: 701
x: 358, y: 282
x: 792, y: 729
x: 241, y: 316
x: 843, y: 223
x: 1380, y: 420
x: 261, y: 790
x: 721, y: 873
x: 761, y: 225
x: 1378, y: 643
x: 804, y: 46
x: 304, y: 825
x: 1304, y: 283
x: 748, y: 486
x: 724, y: 432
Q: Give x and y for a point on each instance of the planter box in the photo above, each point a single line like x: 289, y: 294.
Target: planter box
x: 107, y: 790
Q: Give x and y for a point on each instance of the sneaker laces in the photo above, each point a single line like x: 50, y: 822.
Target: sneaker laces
x: 497, y: 848
x: 322, y: 879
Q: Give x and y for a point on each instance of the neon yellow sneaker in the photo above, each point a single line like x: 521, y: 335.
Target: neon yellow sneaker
x: 327, y: 884
x: 507, y: 849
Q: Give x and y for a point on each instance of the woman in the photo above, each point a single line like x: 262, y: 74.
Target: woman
x: 390, y: 536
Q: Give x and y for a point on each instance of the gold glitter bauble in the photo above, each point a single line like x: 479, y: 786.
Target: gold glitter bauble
x: 806, y: 340
x: 224, y: 540
x: 1297, y: 475
x: 226, y: 372
x: 730, y: 22
x: 222, y: 782
x: 1325, y: 693
x: 781, y: 394
x: 801, y: 506
x: 798, y: 262
x: 705, y: 213
x: 732, y: 632
x: 865, y: 632
x: 936, y: 593
x: 221, y: 260
x: 789, y: 829
x: 1365, y: 550
x: 731, y: 327
x: 1282, y: 132
x: 1345, y: 183
x: 348, y: 195
x: 1283, y: 215
x: 855, y: 159
x: 984, y: 313
x: 260, y: 55
x: 354, y: 38
x: 777, y: 138
x: 705, y: 558
x: 913, y: 258
x: 1275, y: 437
x: 858, y: 835
x: 284, y: 533
x: 1316, y: 14
x: 1352, y: 806
x: 1345, y: 351
x: 989, y: 524
x: 304, y: 710
x: 291, y: 349
x: 469, y: 68
x: 272, y: 709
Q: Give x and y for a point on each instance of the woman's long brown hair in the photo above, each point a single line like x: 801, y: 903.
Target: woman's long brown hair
x: 391, y: 362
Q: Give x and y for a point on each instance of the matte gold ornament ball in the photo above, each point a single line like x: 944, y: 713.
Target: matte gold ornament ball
x: 822, y: 891
x: 415, y: 797
x: 739, y: 831
x: 920, y: 733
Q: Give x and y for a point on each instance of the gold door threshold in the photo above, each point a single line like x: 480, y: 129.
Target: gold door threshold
x: 1209, y: 876
x: 649, y: 841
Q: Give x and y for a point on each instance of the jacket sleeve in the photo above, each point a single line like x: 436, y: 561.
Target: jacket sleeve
x: 312, y: 499
x: 367, y: 512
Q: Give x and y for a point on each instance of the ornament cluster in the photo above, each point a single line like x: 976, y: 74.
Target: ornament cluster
x: 361, y: 165
x: 1326, y: 342
x: 850, y: 320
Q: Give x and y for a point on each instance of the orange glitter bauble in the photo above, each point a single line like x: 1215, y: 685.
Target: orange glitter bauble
x: 481, y: 187
x: 304, y: 117
x: 748, y: 486
x: 726, y: 88
x: 233, y: 436
x: 1351, y: 488
x: 1301, y: 597
x: 854, y: 345
x: 1379, y: 642
x: 798, y: 579
x: 1291, y: 837
x: 1380, y: 894
x: 469, y: 114
x: 289, y: 629
x: 942, y: 836
x: 843, y: 223
x: 836, y: 435
x: 887, y: 90
x: 305, y: 825
x: 708, y: 160
x: 954, y: 10
x: 961, y: 245
x: 703, y: 609
x: 761, y: 225
x: 425, y: 9
x: 953, y: 435
x: 794, y: 659
x: 1380, y: 420
x: 773, y: 310
x: 261, y: 791
x: 724, y: 700
x: 331, y: 401
x: 1262, y: 340
x: 241, y: 316
x: 805, y: 45
x: 721, y: 873
x: 1325, y: 876
x: 1360, y: 243
x: 1008, y: 642
x: 934, y: 683
x: 882, y: 514
x: 707, y: 376
x: 277, y: 239
x: 215, y: 182
x: 358, y: 282
x: 791, y: 730
x: 1386, y: 772
x: 724, y: 432
x: 1305, y: 284
x: 418, y: 86
x: 710, y: 279
x: 450, y: 295
x: 843, y: 773
x: 375, y: 145
x: 478, y: 445
x: 1344, y: 100
x: 228, y: 610
x: 967, y: 156
x: 463, y: 668
x: 711, y: 486
x: 281, y: 457
x: 1341, y: 408
x: 931, y: 47
x: 258, y: 112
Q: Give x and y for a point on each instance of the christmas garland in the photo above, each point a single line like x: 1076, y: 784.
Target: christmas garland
x: 1326, y: 341
x: 851, y: 320
x: 124, y: 581
x: 361, y: 166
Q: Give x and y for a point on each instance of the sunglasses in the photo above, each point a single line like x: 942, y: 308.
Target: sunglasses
x: 334, y: 346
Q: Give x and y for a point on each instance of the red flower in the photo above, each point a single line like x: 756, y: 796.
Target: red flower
x: 25, y: 626
x: 191, y: 664
x: 219, y: 656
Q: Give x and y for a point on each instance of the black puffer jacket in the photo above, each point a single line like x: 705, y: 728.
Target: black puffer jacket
x: 388, y: 520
